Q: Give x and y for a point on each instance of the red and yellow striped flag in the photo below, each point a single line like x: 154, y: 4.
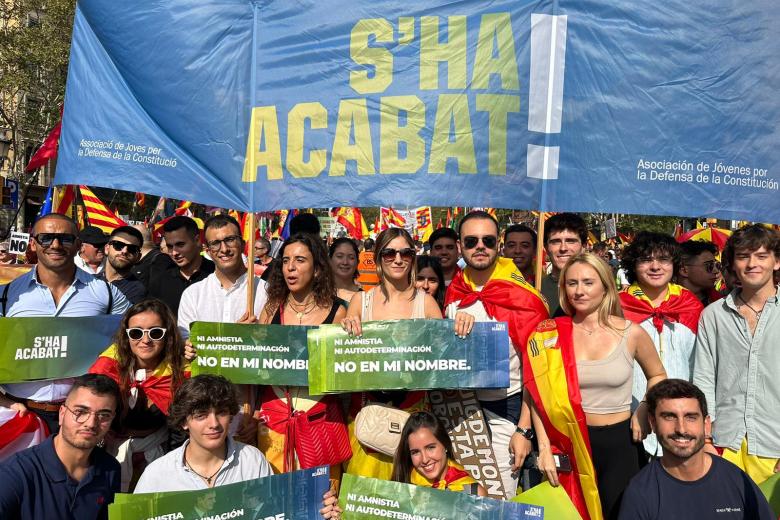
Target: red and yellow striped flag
x: 352, y: 220
x: 63, y: 200
x: 98, y: 214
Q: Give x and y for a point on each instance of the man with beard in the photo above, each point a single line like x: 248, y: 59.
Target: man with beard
x: 65, y: 477
x: 55, y: 287
x: 123, y: 251
x: 170, y: 274
x: 564, y: 236
x: 520, y: 246
x: 491, y: 288
x: 687, y: 481
x: 444, y: 246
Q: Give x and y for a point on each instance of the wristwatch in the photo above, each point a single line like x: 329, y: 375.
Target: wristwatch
x: 528, y: 433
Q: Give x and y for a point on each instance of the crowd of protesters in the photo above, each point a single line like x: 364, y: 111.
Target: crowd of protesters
x: 643, y: 385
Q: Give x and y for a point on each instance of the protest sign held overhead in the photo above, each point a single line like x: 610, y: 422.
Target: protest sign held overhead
x: 551, y: 105
x: 408, y: 354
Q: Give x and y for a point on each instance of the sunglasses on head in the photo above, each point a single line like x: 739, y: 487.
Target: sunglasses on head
x: 137, y: 333
x: 388, y: 254
x: 47, y: 239
x: 488, y: 241
x: 117, y: 246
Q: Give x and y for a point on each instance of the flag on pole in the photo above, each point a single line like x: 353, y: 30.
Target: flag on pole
x: 46, y: 208
x: 98, y: 214
x: 439, y: 225
x: 47, y: 151
x: 140, y: 199
x: 285, y: 233
x: 184, y: 209
x: 63, y: 200
x: 450, y: 219
x: 352, y: 220
x: 391, y: 218
x: 424, y: 223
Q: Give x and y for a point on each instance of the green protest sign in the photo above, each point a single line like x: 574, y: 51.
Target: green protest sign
x: 408, y: 354
x: 289, y: 496
x: 52, y: 348
x: 251, y: 354
x: 369, y: 498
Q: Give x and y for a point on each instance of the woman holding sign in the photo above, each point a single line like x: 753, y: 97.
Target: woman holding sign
x: 424, y: 457
x: 299, y: 431
x: 147, y: 361
x: 395, y: 298
x: 579, y: 372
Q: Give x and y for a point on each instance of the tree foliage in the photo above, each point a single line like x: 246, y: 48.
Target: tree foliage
x: 34, y: 48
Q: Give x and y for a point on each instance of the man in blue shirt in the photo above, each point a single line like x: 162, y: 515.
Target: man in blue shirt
x: 55, y: 287
x: 65, y: 477
x: 688, y: 482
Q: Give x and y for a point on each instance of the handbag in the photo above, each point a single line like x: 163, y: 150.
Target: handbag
x: 378, y: 427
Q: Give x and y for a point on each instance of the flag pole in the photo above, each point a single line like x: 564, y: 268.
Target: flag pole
x: 539, y: 252
x: 250, y: 271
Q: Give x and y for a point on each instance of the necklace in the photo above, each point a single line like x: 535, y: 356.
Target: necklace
x: 757, y: 313
x: 589, y: 331
x: 303, y: 309
x: 207, y: 479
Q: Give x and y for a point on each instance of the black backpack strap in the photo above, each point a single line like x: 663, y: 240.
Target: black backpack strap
x: 4, y: 297
x: 110, y: 297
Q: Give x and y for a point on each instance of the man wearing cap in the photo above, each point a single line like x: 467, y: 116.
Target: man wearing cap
x: 55, y: 288
x: 92, y: 256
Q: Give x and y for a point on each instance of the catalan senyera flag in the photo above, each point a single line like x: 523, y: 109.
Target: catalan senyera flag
x: 98, y: 214
x: 63, y: 200
x: 391, y: 218
x: 424, y: 222
x: 352, y: 220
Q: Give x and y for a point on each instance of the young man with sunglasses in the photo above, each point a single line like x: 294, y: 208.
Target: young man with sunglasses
x: 123, y: 250
x: 668, y: 312
x: 55, y: 287
x: 737, y: 355
x: 222, y: 297
x: 65, y: 476
x: 491, y: 288
x: 700, y: 271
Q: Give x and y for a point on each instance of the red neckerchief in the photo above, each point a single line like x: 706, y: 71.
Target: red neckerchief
x: 506, y: 297
x: 682, y: 306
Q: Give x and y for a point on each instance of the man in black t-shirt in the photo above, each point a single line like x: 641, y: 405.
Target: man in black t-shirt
x: 688, y: 482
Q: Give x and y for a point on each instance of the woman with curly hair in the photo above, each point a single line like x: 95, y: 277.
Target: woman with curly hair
x: 297, y: 430
x: 147, y: 361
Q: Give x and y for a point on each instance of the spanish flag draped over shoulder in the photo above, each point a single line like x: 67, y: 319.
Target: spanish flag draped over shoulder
x: 156, y: 386
x: 680, y: 306
x: 455, y: 478
x: 550, y: 375
x: 506, y: 297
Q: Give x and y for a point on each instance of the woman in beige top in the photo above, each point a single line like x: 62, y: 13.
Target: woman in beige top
x: 605, y: 346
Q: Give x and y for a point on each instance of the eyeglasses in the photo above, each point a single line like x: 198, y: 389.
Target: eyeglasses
x: 710, y: 266
x: 119, y: 246
x: 488, y: 241
x: 47, y: 239
x: 81, y: 415
x: 646, y: 260
x: 216, y: 245
x: 137, y: 333
x: 388, y: 254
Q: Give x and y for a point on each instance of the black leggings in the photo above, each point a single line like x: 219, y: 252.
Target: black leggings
x: 616, y: 461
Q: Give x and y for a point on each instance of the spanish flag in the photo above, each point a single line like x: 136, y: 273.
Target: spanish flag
x: 98, y: 214
x: 506, y: 297
x: 157, y: 386
x: 550, y: 376
x: 391, y: 218
x: 680, y: 306
x: 455, y: 478
x: 352, y: 220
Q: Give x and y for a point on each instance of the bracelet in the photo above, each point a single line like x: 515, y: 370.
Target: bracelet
x: 528, y: 433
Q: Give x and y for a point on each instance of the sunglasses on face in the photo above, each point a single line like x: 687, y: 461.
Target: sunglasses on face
x: 155, y: 333
x: 388, y: 254
x: 711, y: 266
x: 117, y: 246
x: 488, y: 241
x: 47, y: 239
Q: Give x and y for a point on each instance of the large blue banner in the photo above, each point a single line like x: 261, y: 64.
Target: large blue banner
x: 633, y: 107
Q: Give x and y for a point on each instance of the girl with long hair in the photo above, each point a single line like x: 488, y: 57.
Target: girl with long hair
x: 430, y: 278
x: 297, y: 430
x: 344, y: 255
x: 579, y: 372
x: 424, y: 457
x: 147, y: 361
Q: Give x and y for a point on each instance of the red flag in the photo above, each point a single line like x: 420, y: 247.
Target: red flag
x: 140, y: 199
x: 47, y: 151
